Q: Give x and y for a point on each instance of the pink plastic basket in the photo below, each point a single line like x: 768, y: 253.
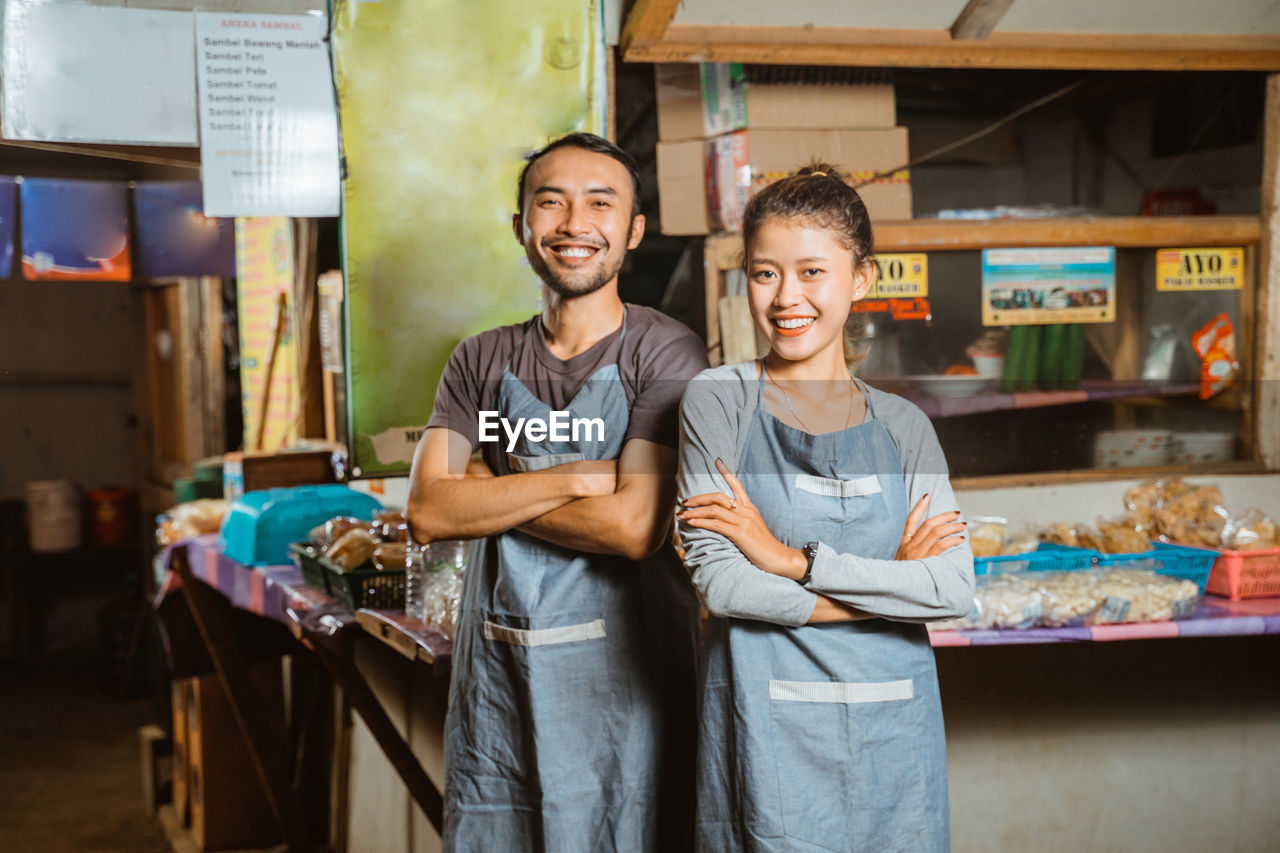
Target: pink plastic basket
x: 1246, y: 574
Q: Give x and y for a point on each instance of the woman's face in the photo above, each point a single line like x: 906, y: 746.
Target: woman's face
x: 802, y: 282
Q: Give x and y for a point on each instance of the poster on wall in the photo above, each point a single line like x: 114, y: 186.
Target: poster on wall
x: 430, y: 185
x: 175, y: 238
x: 1023, y: 287
x: 75, y: 230
x: 1195, y: 270
x: 79, y: 72
x: 268, y: 121
x: 8, y: 210
x: 264, y: 296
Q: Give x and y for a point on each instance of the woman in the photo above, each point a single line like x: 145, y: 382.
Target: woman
x: 805, y: 533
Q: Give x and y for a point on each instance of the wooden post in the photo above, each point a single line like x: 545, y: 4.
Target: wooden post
x: 1267, y: 341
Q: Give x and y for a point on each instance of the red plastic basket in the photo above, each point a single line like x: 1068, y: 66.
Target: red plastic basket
x: 1246, y: 574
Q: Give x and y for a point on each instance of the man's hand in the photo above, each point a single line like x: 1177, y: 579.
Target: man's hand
x: 446, y: 503
x: 631, y: 520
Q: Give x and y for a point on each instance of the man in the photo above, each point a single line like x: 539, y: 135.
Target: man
x: 571, y: 717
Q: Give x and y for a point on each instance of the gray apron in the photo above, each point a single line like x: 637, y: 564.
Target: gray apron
x: 572, y: 704
x: 823, y: 737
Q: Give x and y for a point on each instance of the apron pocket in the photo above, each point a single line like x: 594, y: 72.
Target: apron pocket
x: 549, y: 698
x: 524, y: 464
x: 844, y: 755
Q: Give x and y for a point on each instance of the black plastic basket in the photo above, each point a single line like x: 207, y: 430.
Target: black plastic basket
x: 365, y: 587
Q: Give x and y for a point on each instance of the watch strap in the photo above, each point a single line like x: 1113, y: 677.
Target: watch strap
x: 810, y: 551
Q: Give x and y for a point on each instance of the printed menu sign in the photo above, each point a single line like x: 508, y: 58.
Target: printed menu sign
x: 268, y: 121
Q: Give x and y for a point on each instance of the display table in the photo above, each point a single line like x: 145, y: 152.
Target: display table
x: 216, y: 588
x: 1215, y: 617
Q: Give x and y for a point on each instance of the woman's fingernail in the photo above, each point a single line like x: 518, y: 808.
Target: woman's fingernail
x: 719, y: 461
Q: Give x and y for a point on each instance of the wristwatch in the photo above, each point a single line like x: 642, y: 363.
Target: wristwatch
x: 810, y: 551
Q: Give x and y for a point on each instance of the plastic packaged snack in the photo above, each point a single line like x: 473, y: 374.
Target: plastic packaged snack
x: 986, y: 539
x: 390, y: 556
x: 1004, y: 601
x: 193, y: 518
x: 352, y: 549
x: 1067, y: 598
x: 1215, y: 343
x: 1251, y: 530
x: 390, y: 525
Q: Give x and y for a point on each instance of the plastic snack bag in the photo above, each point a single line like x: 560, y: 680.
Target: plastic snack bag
x: 1215, y: 343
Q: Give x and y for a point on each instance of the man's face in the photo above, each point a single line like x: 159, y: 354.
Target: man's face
x: 576, y: 224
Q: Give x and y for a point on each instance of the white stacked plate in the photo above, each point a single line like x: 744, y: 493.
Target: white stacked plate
x: 1131, y: 448
x: 1188, y: 447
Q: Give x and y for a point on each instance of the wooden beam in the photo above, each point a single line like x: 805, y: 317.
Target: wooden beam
x: 647, y: 21
x: 978, y: 19
x: 935, y: 235
x: 935, y: 48
x: 1267, y: 301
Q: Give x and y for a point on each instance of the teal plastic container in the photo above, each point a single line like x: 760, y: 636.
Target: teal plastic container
x: 260, y: 526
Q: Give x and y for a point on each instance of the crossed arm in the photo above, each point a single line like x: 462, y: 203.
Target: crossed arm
x: 618, y: 507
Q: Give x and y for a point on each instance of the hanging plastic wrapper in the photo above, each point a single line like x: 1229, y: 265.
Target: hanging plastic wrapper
x: 1215, y: 343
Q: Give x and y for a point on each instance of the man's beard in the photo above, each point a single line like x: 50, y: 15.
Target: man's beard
x: 573, y: 287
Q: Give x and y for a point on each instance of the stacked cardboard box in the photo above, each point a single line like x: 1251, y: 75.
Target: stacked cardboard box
x: 724, y: 136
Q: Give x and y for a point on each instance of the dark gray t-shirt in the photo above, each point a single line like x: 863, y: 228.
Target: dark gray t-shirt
x: 658, y: 358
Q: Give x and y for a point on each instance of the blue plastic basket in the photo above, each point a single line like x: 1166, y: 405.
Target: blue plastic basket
x: 1046, y: 558
x: 1175, y: 561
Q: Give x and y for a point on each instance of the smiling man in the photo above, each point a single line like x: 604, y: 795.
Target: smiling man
x: 571, y: 715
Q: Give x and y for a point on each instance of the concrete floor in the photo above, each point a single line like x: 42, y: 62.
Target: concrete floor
x: 70, y: 777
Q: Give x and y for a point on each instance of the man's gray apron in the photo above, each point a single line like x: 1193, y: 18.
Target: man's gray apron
x: 572, y: 705
x: 823, y: 737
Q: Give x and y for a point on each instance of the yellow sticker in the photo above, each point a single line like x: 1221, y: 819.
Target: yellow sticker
x: 901, y: 277
x: 1199, y: 269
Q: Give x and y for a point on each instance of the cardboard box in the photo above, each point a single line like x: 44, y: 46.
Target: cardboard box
x: 742, y: 163
x: 701, y: 101
x: 682, y: 188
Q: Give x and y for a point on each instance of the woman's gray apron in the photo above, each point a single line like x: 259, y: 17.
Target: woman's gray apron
x: 572, y: 705
x: 824, y: 737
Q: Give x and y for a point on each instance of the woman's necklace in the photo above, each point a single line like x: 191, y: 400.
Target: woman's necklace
x: 848, y: 419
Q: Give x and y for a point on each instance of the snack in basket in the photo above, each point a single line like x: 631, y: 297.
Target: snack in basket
x: 1122, y: 537
x: 390, y: 556
x: 987, y: 539
x: 352, y: 549
x: 1060, y: 534
x: 390, y: 525
x: 1250, y: 530
x: 336, y: 528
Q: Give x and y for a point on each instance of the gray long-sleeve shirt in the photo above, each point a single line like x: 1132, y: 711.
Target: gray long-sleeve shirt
x: 715, y: 417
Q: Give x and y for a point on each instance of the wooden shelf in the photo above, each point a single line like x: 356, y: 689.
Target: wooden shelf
x: 993, y: 401
x: 949, y: 235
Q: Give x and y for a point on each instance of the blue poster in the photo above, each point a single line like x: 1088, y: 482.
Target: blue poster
x: 175, y: 237
x: 8, y: 209
x: 1048, y: 286
x: 75, y: 230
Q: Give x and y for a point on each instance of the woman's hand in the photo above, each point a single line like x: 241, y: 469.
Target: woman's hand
x: 738, y: 520
x: 929, y: 538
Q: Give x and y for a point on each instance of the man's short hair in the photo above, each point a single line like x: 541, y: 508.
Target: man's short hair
x: 587, y: 142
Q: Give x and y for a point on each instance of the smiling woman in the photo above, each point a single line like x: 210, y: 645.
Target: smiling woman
x: 807, y: 541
